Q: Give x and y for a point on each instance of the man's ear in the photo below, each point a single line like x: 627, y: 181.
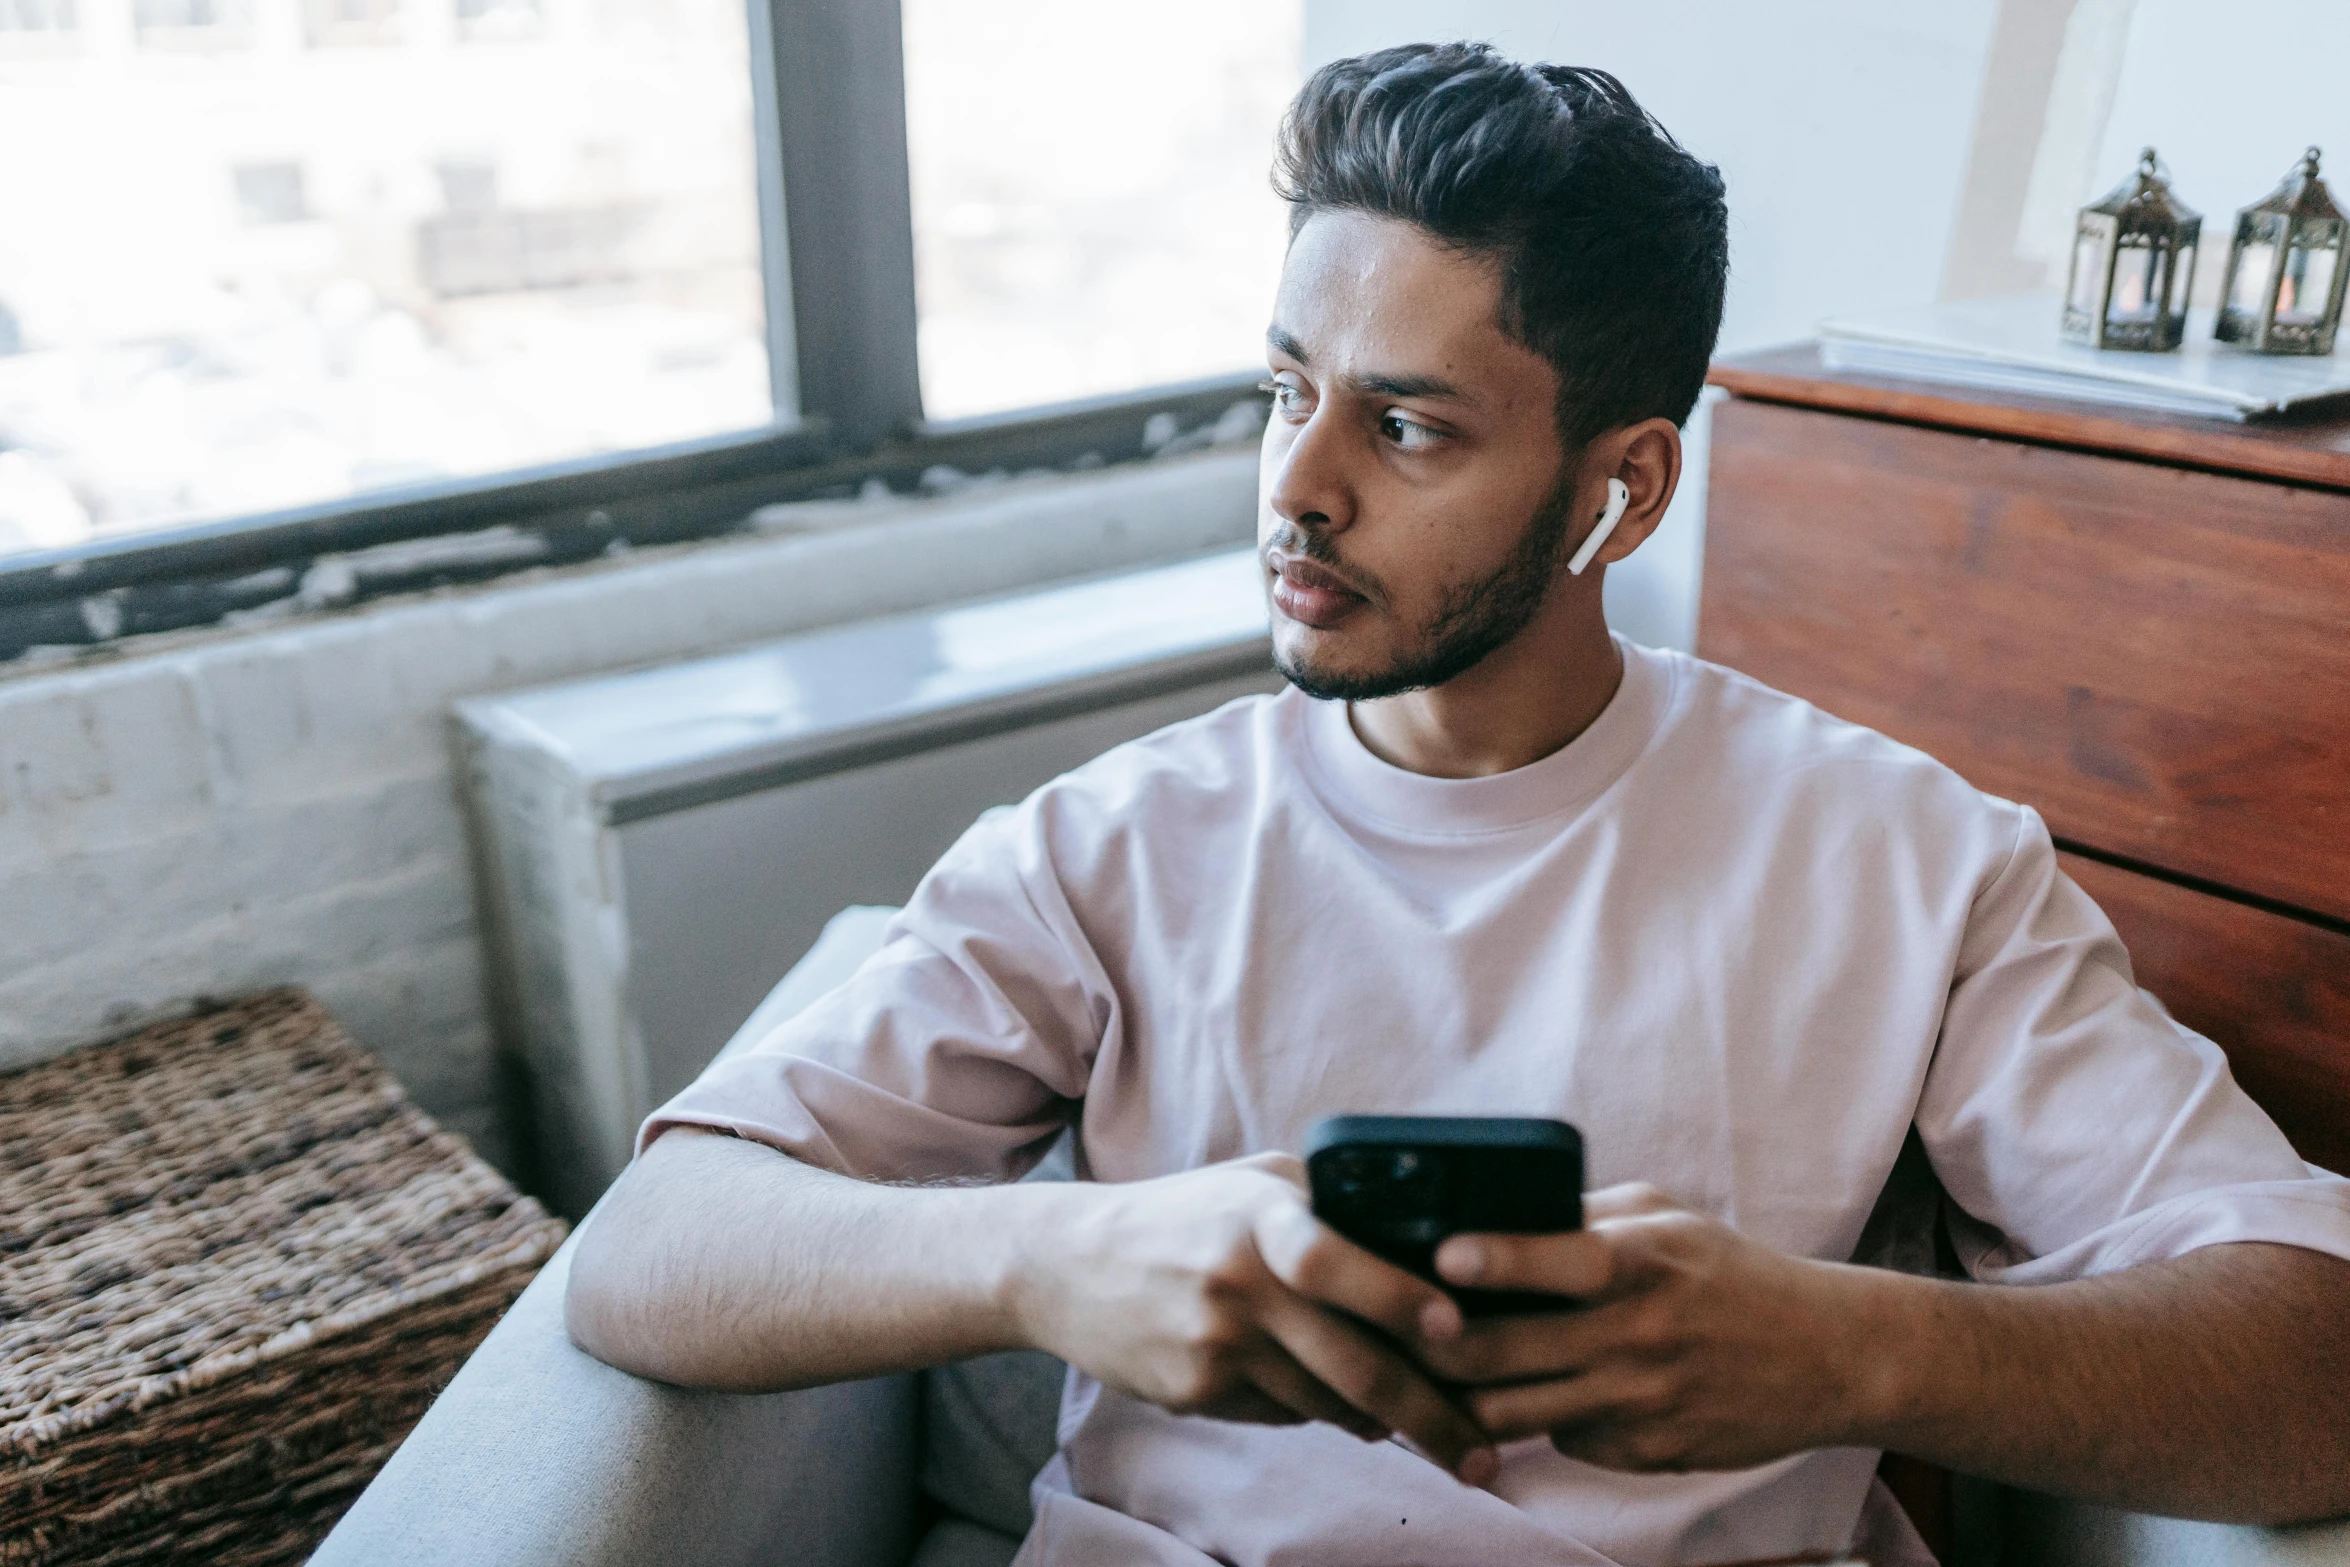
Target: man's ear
x: 1647, y: 457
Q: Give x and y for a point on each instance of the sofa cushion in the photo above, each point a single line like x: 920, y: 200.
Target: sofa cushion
x: 988, y: 1427
x: 958, y: 1542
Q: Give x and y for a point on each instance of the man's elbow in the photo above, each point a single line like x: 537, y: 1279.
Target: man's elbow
x: 602, y: 1300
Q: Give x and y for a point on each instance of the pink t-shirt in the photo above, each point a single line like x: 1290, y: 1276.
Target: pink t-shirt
x: 1744, y: 946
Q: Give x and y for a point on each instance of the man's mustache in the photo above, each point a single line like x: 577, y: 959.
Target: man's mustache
x: 1290, y: 539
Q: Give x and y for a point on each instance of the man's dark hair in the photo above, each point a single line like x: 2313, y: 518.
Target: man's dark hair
x: 1612, y: 240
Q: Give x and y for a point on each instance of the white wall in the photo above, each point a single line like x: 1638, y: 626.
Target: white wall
x: 241, y: 808
x: 2230, y: 96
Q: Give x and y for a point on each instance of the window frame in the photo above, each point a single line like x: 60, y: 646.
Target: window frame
x: 837, y: 262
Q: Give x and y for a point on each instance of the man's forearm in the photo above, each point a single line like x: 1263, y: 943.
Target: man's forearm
x: 788, y: 1276
x: 722, y: 1264
x: 2213, y: 1385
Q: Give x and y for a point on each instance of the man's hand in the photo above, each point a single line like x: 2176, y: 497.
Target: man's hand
x: 2211, y: 1385
x: 1692, y: 1347
x: 1216, y: 1292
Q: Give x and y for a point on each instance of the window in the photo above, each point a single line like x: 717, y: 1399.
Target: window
x: 1082, y: 224
x: 316, y: 271
x: 294, y: 277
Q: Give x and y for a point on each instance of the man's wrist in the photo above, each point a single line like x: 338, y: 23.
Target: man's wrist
x: 1897, y: 1347
x: 1030, y: 1259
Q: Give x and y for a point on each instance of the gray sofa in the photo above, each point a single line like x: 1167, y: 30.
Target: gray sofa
x: 538, y: 1456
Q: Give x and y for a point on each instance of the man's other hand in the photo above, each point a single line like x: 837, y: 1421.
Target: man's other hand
x: 1216, y: 1292
x: 1689, y: 1346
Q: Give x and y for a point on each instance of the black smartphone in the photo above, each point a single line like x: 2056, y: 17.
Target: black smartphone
x: 1397, y: 1185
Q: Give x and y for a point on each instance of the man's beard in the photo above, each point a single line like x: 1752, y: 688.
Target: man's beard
x: 1476, y: 617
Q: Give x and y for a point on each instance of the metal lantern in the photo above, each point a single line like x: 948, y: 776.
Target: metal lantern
x: 2286, y: 269
x: 2133, y: 262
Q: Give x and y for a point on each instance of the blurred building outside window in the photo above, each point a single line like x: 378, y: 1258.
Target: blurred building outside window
x: 36, y: 16
x: 193, y: 24
x: 1092, y: 204
x: 270, y: 192
x: 478, y: 19
x: 331, y: 24
x: 277, y: 252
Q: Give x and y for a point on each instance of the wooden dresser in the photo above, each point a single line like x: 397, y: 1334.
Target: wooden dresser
x: 2137, y: 623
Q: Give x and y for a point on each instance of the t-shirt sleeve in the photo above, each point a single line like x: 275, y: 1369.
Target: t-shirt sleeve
x: 957, y: 1051
x: 2079, y: 1128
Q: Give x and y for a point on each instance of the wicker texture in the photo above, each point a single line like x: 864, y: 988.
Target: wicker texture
x: 235, y: 1266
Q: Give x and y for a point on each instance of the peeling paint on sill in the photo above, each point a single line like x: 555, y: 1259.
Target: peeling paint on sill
x: 43, y: 633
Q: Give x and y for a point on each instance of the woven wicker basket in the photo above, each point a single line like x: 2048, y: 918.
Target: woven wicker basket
x: 235, y: 1266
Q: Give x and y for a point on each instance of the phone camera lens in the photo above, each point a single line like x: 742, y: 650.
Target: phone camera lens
x: 1355, y: 1170
x: 1414, y: 1177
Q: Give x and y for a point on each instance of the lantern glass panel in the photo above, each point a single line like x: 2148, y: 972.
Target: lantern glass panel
x: 2137, y: 282
x: 2308, y: 286
x: 2256, y: 263
x: 2088, y: 272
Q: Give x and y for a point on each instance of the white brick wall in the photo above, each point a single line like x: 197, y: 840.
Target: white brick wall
x: 240, y: 808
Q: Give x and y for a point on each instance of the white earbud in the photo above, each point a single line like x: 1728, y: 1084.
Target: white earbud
x: 1618, y: 497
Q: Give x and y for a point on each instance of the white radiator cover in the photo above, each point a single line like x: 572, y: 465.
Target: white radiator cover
x: 658, y: 848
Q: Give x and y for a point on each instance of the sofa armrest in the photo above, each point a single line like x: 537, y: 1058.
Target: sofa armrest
x: 538, y: 1454
x: 2036, y: 1530
x: 847, y: 940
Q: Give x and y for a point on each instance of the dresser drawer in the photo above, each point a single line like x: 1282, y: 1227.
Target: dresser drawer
x: 2158, y: 659
x: 2273, y: 992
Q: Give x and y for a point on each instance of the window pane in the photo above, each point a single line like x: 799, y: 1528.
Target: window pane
x: 1092, y: 210
x: 260, y: 253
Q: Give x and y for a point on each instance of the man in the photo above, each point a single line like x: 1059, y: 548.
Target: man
x: 1485, y: 859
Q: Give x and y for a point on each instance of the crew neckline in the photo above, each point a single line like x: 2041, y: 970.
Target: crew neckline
x: 1352, y: 778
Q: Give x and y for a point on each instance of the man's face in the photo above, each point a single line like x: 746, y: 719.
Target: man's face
x: 1410, y: 503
